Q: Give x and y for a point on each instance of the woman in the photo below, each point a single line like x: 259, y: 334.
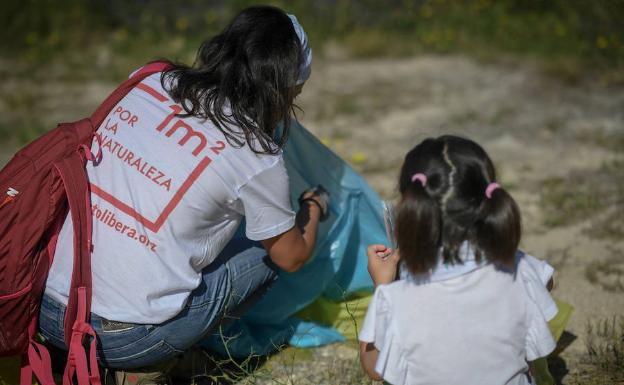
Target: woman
x: 186, y: 155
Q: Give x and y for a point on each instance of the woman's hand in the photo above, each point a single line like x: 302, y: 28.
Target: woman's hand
x: 382, y: 263
x: 292, y: 249
x: 317, y: 196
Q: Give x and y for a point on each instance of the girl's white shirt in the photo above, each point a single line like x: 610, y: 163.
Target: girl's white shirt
x: 477, y: 325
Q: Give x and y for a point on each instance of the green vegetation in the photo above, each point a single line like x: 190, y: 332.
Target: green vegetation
x: 566, y: 33
x: 21, y: 124
x: 74, y: 40
x: 612, y: 141
x: 564, y: 205
x: 605, y: 345
x: 584, y: 194
x: 608, y: 274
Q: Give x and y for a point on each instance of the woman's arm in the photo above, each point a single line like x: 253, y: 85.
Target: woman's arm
x: 368, y: 358
x: 292, y: 249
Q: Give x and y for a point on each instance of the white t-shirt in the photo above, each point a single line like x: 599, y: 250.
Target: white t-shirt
x: 478, y: 328
x: 167, y: 196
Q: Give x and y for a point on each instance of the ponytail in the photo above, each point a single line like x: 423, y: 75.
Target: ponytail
x: 499, y: 229
x: 447, y: 200
x: 418, y: 229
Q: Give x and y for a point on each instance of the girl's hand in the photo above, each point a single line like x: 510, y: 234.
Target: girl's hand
x: 382, y: 264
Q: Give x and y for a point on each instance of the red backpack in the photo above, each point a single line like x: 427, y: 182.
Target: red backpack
x: 43, y: 182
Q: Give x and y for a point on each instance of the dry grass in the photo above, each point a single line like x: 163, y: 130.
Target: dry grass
x: 605, y: 347
x: 609, y: 274
x: 584, y: 194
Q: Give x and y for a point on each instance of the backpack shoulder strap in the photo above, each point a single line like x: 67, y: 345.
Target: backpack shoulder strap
x: 151, y: 68
x: 74, y: 177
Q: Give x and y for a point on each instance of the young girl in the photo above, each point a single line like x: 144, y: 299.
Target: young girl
x: 467, y: 309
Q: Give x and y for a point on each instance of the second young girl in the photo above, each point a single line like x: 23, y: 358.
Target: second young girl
x: 485, y: 318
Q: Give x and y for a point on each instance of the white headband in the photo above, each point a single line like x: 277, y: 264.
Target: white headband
x: 306, y: 66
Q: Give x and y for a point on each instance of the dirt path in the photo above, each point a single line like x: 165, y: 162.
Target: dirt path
x: 559, y: 150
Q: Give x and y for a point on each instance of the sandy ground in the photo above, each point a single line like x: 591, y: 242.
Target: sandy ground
x: 540, y: 132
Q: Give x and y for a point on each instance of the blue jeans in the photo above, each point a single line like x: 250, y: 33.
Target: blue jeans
x: 233, y: 282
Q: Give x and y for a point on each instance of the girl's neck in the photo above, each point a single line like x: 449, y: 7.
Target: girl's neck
x: 445, y: 271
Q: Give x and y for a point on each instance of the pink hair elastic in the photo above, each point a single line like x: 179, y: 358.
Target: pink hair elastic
x: 490, y: 189
x: 421, y: 177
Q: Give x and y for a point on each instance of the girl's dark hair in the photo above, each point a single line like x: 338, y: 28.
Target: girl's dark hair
x: 243, y: 79
x: 452, y: 207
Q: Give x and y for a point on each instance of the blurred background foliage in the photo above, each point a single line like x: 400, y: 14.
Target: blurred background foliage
x: 49, y: 46
x: 571, y: 35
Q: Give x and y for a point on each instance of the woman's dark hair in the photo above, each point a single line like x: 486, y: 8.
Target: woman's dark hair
x: 243, y: 79
x: 452, y: 206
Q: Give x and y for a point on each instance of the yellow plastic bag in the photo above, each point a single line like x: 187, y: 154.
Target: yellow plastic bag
x: 346, y: 317
x: 557, y: 325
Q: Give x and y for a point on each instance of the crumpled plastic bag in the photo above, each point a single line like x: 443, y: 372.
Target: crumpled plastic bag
x: 338, y: 269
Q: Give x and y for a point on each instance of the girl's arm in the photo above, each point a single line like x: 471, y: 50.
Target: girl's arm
x: 382, y: 266
x: 368, y: 358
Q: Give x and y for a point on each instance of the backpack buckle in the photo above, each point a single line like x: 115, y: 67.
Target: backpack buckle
x: 87, y: 151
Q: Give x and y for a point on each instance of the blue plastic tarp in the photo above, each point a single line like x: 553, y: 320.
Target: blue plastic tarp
x: 338, y: 268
